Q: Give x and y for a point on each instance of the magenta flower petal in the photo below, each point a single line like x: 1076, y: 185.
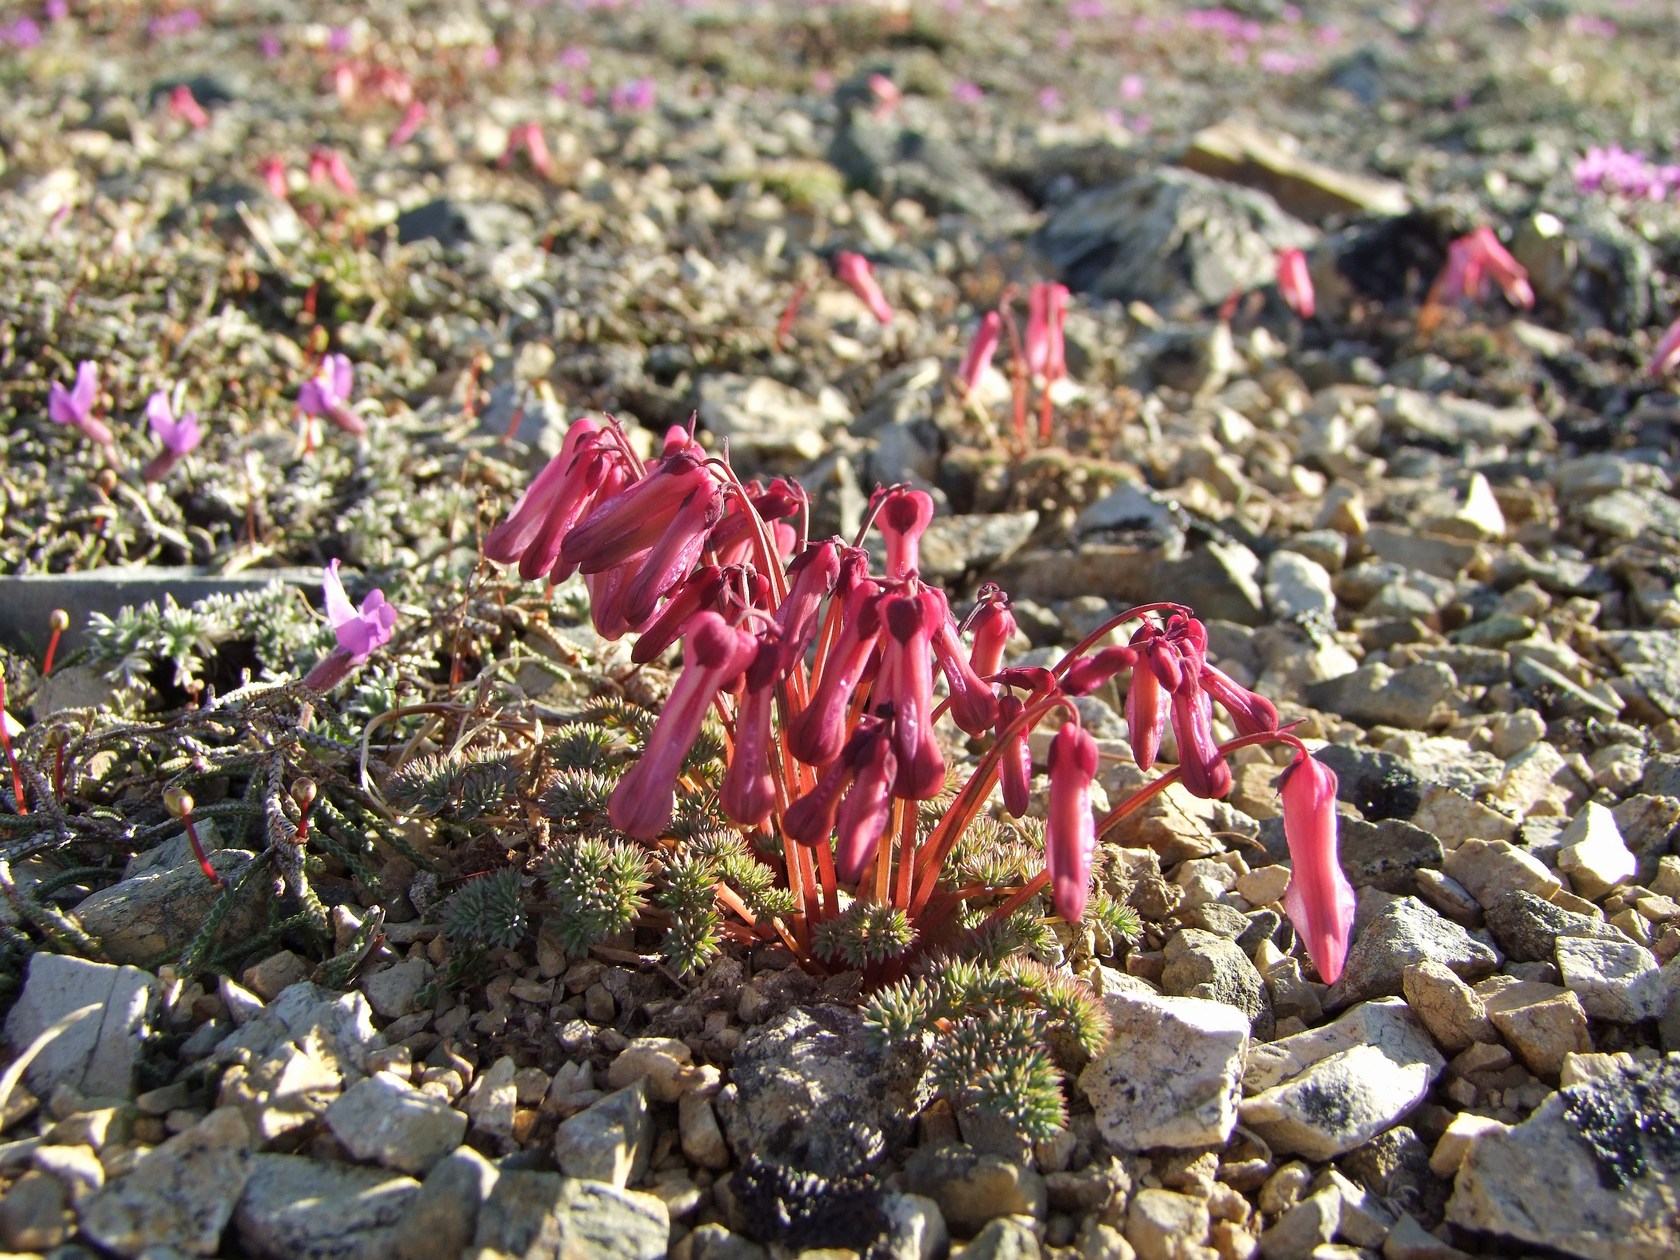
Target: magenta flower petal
x: 358, y: 632
x: 1319, y: 900
x: 1070, y: 833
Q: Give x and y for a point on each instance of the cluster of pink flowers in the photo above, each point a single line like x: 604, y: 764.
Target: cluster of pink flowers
x: 1041, y: 353
x: 823, y: 748
x: 1616, y: 170
x: 1476, y: 262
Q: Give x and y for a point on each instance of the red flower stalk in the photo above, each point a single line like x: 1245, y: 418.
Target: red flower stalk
x: 904, y: 689
x: 980, y: 352
x: 1070, y: 830
x: 904, y: 517
x: 854, y: 271
x: 748, y: 793
x: 1294, y: 282
x: 714, y: 654
x: 18, y: 803
x: 819, y: 732
x: 1319, y: 900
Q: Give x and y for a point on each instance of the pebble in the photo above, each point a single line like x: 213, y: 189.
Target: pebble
x: 384, y: 1120
x: 97, y: 1054
x: 180, y: 1196
x: 1323, y: 1092
x: 1449, y: 1008
x: 545, y: 1214
x: 1164, y: 1225
x: 1405, y: 932
x: 32, y: 1213
x: 392, y: 991
x: 1304, y: 1227
x: 972, y: 1188
x: 440, y: 1220
x: 1592, y: 853
x: 1543, y: 1031
x: 662, y: 1062
x: 1617, y: 981
x: 1202, y: 965
x: 295, y: 1208
x: 1004, y: 1238
x: 611, y: 1140
x: 1460, y: 1135
x: 492, y: 1102
x: 699, y: 1132
x: 1169, y: 1075
x: 155, y: 914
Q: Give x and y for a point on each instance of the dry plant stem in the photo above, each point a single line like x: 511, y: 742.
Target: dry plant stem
x: 1046, y: 411
x: 789, y: 313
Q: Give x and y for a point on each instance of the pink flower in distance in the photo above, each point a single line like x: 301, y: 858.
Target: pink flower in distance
x: 1667, y: 354
x: 184, y: 105
x: 1046, y: 346
x: 406, y: 130
x: 887, y: 95
x: 1319, y: 900
x: 74, y: 406
x: 178, y: 437
x: 328, y: 166
x: 1070, y: 835
x: 854, y: 271
x: 327, y: 393
x: 1473, y: 261
x: 980, y: 352
x: 273, y: 171
x: 1294, y: 282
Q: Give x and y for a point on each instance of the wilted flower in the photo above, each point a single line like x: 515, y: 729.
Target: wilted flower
x: 358, y: 631
x: 74, y: 406
x: 179, y: 437
x: 327, y: 393
x: 854, y: 271
x: 1319, y: 900
x: 1294, y: 282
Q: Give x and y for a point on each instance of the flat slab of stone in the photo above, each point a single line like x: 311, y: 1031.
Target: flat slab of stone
x: 97, y: 1054
x: 296, y: 1208
x: 383, y: 1120
x: 1170, y: 1074
x: 1244, y: 154
x: 1594, y: 1173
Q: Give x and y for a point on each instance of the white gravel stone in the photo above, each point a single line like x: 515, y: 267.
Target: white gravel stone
x: 1323, y: 1092
x: 1592, y: 853
x: 1170, y: 1073
x: 1614, y: 980
x: 383, y: 1120
x: 1454, y: 1144
x: 609, y: 1140
x: 97, y: 1054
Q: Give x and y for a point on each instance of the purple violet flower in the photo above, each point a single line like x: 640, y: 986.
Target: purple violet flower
x: 74, y: 406
x: 358, y: 631
x: 179, y: 437
x: 328, y: 394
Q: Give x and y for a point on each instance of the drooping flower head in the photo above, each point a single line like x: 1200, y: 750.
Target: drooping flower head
x: 1319, y: 900
x: 1070, y: 834
x: 980, y: 352
x: 1474, y: 261
x: 74, y: 406
x: 184, y: 106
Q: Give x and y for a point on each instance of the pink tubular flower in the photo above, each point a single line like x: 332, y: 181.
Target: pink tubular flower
x: 630, y: 521
x: 994, y: 627
x: 184, y: 105
x: 1146, y: 719
x: 1473, y: 261
x: 714, y: 654
x: 1014, y: 760
x: 866, y: 808
x: 1088, y: 673
x: 1201, y: 766
x: 904, y: 688
x: 675, y: 553
x: 327, y: 393
x: 1319, y: 900
x: 854, y: 271
x: 811, y: 579
x: 974, y: 706
x: 557, y: 489
x: 887, y: 96
x: 1294, y: 282
x: 980, y: 352
x: 1046, y: 349
x: 529, y: 136
x: 818, y: 733
x: 179, y: 437
x: 1070, y: 834
x: 273, y: 171
x: 358, y: 632
x: 74, y: 406
x: 328, y: 166
x: 1666, y: 356
x: 702, y: 588
x: 904, y: 517
x: 748, y: 792
x: 412, y: 120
